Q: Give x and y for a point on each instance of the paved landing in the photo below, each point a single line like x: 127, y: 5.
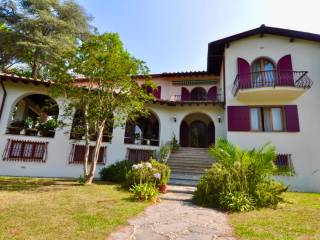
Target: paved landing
x: 176, y: 218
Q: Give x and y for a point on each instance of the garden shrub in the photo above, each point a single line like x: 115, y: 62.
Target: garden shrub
x: 144, y: 191
x: 148, y: 172
x: 116, y: 172
x: 162, y: 155
x: 241, y: 180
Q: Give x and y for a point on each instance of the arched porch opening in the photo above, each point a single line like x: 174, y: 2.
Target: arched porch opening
x: 78, y: 128
x: 197, y: 130
x: 34, y: 115
x: 143, y: 131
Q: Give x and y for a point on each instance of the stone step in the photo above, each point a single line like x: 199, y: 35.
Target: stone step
x: 183, y: 182
x: 191, y: 160
x: 186, y: 176
x: 195, y: 165
x: 188, y: 171
x: 184, y: 179
x: 190, y: 154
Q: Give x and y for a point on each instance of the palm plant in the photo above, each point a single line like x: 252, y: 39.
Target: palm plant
x: 241, y: 179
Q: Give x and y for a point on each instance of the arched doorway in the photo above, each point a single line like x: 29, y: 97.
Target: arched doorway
x: 197, y: 130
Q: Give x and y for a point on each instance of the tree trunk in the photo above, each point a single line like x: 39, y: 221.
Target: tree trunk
x: 96, y: 151
x: 87, y: 145
x: 36, y: 64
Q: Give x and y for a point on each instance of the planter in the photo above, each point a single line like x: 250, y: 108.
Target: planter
x: 14, y: 130
x: 163, y: 188
x: 48, y: 133
x: 31, y: 132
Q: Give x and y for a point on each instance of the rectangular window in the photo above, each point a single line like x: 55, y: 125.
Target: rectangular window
x: 26, y: 151
x: 284, y: 164
x: 138, y: 155
x: 267, y: 119
x: 78, y: 152
x: 277, y: 119
x: 255, y: 119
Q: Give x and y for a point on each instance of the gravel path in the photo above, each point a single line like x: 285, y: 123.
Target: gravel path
x: 176, y: 218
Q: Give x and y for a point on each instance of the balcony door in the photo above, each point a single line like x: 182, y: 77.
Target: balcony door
x: 263, y: 73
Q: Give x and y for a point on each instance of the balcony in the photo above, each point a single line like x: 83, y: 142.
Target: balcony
x: 271, y: 85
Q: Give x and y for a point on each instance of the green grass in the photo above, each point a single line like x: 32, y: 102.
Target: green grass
x: 298, y: 218
x: 33, y: 208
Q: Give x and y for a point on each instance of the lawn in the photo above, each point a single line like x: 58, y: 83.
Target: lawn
x: 34, y: 208
x: 297, y: 219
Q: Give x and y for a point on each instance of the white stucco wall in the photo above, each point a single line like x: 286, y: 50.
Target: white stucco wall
x: 59, y: 147
x: 168, y: 89
x: 304, y: 145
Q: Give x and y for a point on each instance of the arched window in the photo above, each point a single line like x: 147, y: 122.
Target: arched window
x: 34, y: 115
x: 143, y: 131
x: 263, y: 73
x: 78, y: 128
x: 198, y: 94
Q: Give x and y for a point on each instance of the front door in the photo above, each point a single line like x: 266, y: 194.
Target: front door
x: 198, y: 134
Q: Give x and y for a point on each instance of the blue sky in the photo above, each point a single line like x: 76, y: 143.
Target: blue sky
x: 172, y: 35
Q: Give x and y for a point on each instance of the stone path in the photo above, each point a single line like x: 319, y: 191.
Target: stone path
x: 176, y: 218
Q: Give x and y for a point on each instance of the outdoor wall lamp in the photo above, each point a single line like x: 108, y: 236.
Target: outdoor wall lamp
x: 219, y: 119
x: 174, y: 118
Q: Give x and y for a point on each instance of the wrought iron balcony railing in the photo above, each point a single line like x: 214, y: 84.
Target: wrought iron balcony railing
x: 205, y: 98
x: 298, y: 79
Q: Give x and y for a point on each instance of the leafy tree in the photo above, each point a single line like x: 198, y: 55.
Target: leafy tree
x: 107, y: 94
x: 39, y: 33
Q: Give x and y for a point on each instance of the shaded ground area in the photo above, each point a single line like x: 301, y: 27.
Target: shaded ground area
x: 176, y: 218
x: 35, y: 208
x: 299, y: 218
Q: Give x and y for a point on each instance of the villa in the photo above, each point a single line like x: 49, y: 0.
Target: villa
x: 260, y: 86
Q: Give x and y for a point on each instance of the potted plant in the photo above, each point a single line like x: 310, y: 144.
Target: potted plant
x: 15, y: 127
x: 30, y: 126
x: 164, y: 174
x: 164, y: 179
x: 47, y: 128
x: 174, y: 144
x: 77, y: 132
x: 137, y: 138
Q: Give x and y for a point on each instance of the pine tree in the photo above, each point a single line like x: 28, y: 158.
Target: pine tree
x: 39, y: 33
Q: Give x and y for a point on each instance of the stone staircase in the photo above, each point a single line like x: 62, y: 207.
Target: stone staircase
x: 188, y: 164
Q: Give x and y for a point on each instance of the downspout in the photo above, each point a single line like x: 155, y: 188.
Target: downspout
x: 3, y: 98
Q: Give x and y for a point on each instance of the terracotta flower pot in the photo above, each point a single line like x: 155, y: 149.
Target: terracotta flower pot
x: 163, y: 188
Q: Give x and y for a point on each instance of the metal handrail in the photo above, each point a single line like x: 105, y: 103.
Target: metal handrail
x: 274, y: 78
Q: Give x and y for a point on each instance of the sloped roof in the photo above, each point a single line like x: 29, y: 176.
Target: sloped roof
x: 17, y: 78
x: 216, y: 48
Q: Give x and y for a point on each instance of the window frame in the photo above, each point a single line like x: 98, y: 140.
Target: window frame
x: 32, y: 155
x: 261, y: 61
x: 262, y: 118
x: 79, y: 147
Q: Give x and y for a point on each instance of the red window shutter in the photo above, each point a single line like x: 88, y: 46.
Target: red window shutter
x: 185, y: 94
x: 157, y: 92
x: 139, y: 155
x: 212, y: 93
x: 244, y: 73
x: 292, y: 118
x: 238, y: 118
x: 79, y: 151
x: 285, y: 71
